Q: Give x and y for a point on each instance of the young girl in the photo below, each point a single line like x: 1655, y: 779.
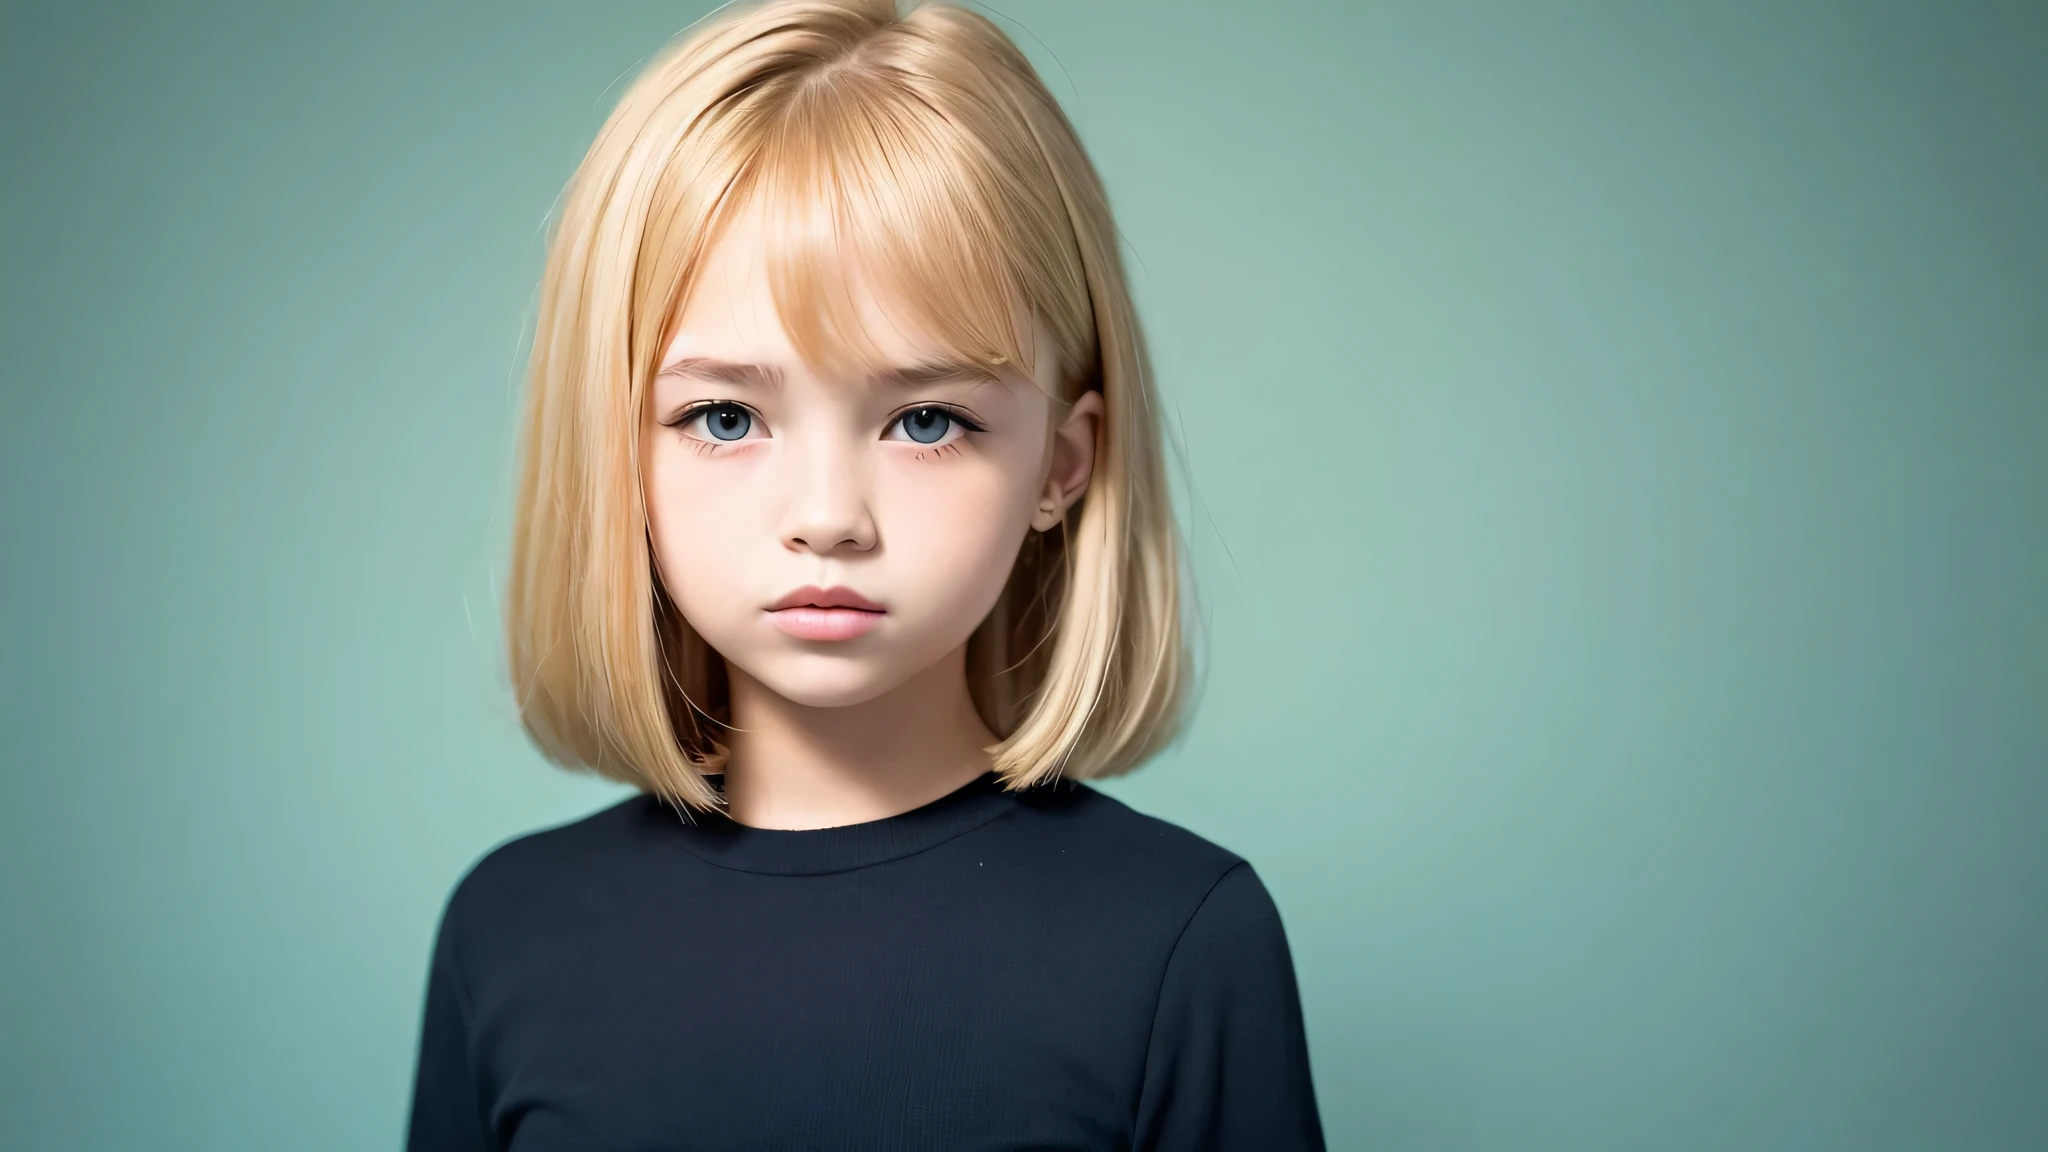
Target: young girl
x: 843, y: 536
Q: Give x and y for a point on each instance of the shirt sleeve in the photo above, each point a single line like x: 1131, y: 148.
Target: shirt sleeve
x: 1228, y: 1067
x: 447, y: 1111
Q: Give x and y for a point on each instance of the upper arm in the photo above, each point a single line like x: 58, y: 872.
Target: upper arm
x: 447, y: 1113
x: 1227, y: 1066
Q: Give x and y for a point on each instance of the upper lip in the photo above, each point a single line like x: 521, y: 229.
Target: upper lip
x: 812, y: 596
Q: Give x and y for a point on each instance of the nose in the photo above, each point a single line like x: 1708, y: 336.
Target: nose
x: 828, y: 508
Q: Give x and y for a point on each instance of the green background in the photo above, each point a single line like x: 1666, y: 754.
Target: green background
x: 1618, y: 436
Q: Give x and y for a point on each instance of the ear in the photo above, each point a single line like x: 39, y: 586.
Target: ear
x: 1073, y: 461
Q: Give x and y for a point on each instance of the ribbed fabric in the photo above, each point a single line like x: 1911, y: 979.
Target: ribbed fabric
x: 813, y: 851
x: 1045, y: 970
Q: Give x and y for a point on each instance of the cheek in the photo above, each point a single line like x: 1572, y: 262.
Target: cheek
x: 702, y: 524
x: 954, y: 527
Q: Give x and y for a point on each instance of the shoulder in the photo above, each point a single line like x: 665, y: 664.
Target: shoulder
x: 1118, y: 847
x: 1184, y: 901
x: 1088, y: 814
x: 553, y: 867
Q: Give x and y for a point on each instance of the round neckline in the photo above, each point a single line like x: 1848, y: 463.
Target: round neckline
x: 721, y: 840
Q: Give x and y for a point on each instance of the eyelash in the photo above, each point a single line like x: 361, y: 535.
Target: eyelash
x: 711, y: 447
x: 952, y: 413
x: 701, y: 446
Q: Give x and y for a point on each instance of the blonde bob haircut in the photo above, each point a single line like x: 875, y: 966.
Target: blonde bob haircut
x: 924, y: 146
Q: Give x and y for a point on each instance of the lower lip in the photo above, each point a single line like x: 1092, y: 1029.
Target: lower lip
x: 824, y: 623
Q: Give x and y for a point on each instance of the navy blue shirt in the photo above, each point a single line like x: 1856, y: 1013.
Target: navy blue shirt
x: 1046, y: 970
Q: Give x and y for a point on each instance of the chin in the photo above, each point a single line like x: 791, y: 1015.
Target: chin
x: 828, y: 681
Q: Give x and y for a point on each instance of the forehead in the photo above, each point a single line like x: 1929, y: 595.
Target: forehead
x: 731, y: 310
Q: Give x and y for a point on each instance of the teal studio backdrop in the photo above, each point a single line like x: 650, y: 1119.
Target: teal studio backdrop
x: 1616, y: 442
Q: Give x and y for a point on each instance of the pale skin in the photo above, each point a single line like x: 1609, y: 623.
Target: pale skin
x: 764, y: 479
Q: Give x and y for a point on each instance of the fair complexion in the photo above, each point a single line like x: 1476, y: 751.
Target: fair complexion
x: 837, y: 541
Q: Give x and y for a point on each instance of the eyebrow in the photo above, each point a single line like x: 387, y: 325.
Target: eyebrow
x: 921, y: 374
x: 725, y: 371
x: 934, y: 372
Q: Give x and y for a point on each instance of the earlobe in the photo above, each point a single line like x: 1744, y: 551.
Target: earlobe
x: 1073, y: 461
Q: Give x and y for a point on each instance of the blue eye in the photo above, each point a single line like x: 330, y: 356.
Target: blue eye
x: 927, y: 425
x: 727, y: 421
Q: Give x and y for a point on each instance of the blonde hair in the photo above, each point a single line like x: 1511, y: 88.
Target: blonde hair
x: 926, y: 146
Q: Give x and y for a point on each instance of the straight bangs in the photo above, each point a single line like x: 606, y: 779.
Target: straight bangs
x: 915, y: 158
x: 865, y: 184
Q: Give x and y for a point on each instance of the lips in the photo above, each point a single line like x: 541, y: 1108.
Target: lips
x: 812, y: 596
x: 812, y: 613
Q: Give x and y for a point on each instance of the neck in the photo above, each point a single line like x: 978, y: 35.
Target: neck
x: 796, y: 766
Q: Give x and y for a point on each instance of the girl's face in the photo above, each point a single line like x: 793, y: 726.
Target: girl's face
x: 832, y: 538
